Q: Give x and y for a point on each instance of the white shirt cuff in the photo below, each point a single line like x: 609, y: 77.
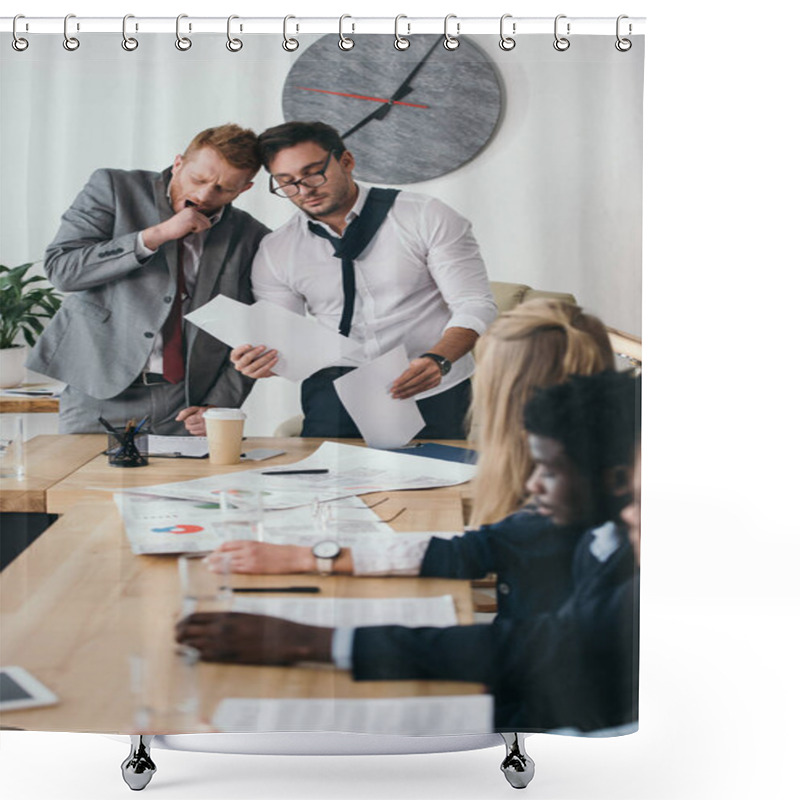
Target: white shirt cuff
x: 472, y: 322
x: 140, y: 249
x: 342, y: 647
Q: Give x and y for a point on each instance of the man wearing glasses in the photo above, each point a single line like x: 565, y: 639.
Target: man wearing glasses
x: 382, y: 267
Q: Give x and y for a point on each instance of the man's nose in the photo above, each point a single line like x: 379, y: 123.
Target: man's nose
x: 203, y: 194
x: 532, y: 485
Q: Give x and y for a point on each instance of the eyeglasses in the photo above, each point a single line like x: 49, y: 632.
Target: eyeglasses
x: 292, y: 188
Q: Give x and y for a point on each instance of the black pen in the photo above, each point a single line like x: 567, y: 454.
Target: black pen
x: 291, y: 589
x: 112, y: 430
x: 298, y: 472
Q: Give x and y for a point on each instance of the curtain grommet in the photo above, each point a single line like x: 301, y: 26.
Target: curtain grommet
x: 19, y: 43
x: 623, y: 44
x: 183, y: 43
x: 507, y: 42
x: 560, y: 43
x: 451, y: 42
x: 129, y: 43
x: 344, y: 42
x: 71, y: 43
x: 401, y: 43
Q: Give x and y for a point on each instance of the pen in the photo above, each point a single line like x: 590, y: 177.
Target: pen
x: 298, y: 472
x: 111, y: 429
x: 292, y: 589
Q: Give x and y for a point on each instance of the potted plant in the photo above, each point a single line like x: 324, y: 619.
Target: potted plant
x: 23, y: 306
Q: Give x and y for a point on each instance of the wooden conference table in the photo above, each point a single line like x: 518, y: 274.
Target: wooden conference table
x: 77, y: 604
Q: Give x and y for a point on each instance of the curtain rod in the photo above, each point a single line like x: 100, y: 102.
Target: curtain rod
x: 513, y: 26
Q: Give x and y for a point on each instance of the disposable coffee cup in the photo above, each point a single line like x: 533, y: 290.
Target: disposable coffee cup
x: 224, y: 428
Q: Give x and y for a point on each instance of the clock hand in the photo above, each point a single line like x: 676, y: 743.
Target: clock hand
x: 379, y: 113
x: 404, y: 89
x: 405, y: 86
x: 360, y: 97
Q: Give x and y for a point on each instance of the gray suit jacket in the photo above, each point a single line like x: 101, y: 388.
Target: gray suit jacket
x: 101, y: 338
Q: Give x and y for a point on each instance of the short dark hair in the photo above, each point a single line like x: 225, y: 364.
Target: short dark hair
x: 279, y: 137
x: 595, y: 417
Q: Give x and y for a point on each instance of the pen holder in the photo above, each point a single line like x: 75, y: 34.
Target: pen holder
x: 128, y: 449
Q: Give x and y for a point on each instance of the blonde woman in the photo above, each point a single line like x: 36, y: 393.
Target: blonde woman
x: 537, y: 344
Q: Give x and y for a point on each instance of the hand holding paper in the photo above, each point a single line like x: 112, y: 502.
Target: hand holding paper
x: 303, y: 345
x: 384, y: 422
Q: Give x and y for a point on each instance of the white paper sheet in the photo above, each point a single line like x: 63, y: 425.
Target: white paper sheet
x: 359, y: 470
x: 407, y: 716
x: 177, y: 446
x: 352, y: 612
x: 303, y: 345
x: 382, y: 420
x: 352, y: 470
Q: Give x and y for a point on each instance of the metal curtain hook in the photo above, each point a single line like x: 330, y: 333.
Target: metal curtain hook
x: 344, y: 42
x: 507, y: 42
x: 70, y: 42
x: 289, y: 44
x: 128, y: 42
x: 182, y: 42
x: 451, y: 42
x: 17, y: 42
x: 234, y: 45
x: 561, y: 43
x: 400, y: 42
x: 622, y: 44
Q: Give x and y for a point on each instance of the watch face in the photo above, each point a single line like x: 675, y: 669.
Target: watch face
x: 326, y: 550
x: 407, y: 116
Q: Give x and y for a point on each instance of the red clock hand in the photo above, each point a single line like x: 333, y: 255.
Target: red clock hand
x: 361, y: 97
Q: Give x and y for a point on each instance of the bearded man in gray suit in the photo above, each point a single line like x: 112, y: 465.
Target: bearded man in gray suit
x: 137, y: 250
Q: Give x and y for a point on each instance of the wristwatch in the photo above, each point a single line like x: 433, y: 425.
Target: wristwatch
x: 444, y: 363
x: 326, y: 552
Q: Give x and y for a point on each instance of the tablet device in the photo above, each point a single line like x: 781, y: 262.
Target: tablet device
x: 19, y: 689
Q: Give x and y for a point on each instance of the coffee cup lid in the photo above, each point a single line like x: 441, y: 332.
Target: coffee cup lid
x: 224, y: 413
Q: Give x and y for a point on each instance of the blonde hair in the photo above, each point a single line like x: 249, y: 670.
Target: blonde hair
x: 237, y: 145
x: 536, y: 344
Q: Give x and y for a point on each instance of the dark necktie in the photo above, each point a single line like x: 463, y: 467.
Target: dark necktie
x: 358, y: 235
x: 172, y: 332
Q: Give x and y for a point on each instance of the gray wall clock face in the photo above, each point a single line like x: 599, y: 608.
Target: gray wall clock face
x: 445, y: 104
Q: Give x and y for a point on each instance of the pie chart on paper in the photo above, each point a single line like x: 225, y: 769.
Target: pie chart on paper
x: 179, y: 529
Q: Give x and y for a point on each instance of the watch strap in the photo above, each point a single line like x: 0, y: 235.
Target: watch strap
x: 442, y: 362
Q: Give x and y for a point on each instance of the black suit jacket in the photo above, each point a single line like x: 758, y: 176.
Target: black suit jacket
x: 531, y: 557
x: 572, y: 666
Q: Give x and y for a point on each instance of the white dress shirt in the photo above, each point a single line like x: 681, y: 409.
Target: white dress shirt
x: 421, y: 274
x: 192, y: 253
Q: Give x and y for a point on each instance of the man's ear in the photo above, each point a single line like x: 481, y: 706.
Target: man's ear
x: 347, y: 160
x: 618, y: 480
x: 176, y: 164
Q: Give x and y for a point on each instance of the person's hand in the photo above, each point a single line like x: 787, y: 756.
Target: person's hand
x: 192, y: 418
x: 186, y: 221
x: 422, y: 374
x: 253, y: 639
x: 254, y: 362
x: 261, y: 558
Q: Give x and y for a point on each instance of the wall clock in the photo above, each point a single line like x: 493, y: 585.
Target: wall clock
x: 407, y: 115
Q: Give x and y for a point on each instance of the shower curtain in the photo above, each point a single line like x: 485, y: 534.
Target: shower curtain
x: 538, y: 147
